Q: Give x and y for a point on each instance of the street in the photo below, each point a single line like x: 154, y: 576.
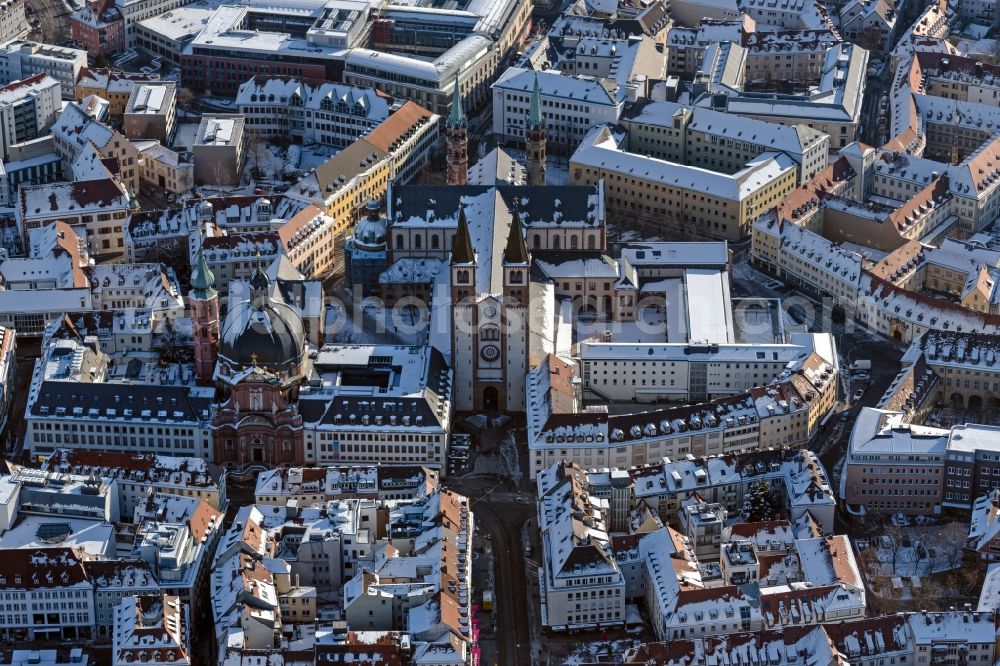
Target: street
x: 500, y: 518
x: 501, y: 510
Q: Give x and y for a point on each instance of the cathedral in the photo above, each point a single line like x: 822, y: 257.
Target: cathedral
x: 476, y: 245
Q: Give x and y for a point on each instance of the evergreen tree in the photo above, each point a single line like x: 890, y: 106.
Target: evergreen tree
x: 760, y: 503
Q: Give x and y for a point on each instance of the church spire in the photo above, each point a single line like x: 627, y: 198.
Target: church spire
x: 456, y: 117
x: 461, y: 249
x: 202, y: 278
x: 516, y: 251
x: 456, y: 134
x: 534, y: 138
x: 204, y: 302
x: 535, y: 118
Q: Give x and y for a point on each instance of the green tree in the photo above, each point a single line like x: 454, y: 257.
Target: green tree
x: 760, y: 503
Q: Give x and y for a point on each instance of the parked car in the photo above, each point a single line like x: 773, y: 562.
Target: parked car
x: 857, y: 394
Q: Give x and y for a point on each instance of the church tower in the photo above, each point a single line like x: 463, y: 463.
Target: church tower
x: 463, y: 262
x: 464, y: 316
x: 534, y: 135
x: 204, y: 300
x: 516, y: 264
x: 516, y: 271
x: 457, y: 138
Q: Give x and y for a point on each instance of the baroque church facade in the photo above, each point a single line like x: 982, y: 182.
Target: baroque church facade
x: 258, y: 363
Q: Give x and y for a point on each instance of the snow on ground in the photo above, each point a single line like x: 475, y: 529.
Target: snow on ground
x: 268, y: 160
x: 921, y: 552
x: 313, y: 156
x: 293, y: 157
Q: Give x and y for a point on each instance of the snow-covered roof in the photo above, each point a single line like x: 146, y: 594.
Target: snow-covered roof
x: 709, y: 31
x: 489, y: 212
x: 220, y: 32
x: 430, y: 73
x: 151, y: 98
x: 964, y: 113
x: 279, y: 90
x: 180, y: 22
x: 837, y: 96
x: 787, y: 13
x: 496, y: 167
x: 72, y: 199
x: 813, y: 250
x: 601, y: 150
x: 574, y: 531
x: 77, y: 127
x: 984, y: 520
x: 794, y: 139
x: 878, y: 432
x: 951, y: 626
x: 220, y: 130
x: 411, y: 270
x: 408, y: 388
x: 557, y: 87
x: 829, y: 560
x: 28, y: 87
x: 989, y: 595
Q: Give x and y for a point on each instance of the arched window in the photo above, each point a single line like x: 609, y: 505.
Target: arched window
x: 591, y: 242
x: 462, y: 277
x: 538, y: 241
x: 555, y: 242
x: 417, y: 244
x: 574, y: 242
x: 516, y: 277
x: 490, y: 333
x: 399, y: 241
x: 435, y: 242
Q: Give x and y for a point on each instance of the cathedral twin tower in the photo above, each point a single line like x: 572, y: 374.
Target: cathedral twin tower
x: 457, y: 139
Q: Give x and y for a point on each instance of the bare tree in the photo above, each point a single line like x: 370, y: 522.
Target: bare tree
x: 255, y: 143
x: 950, y: 542
x: 185, y: 98
x: 929, y: 595
x: 869, y: 563
x: 883, y: 533
x: 870, y: 39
